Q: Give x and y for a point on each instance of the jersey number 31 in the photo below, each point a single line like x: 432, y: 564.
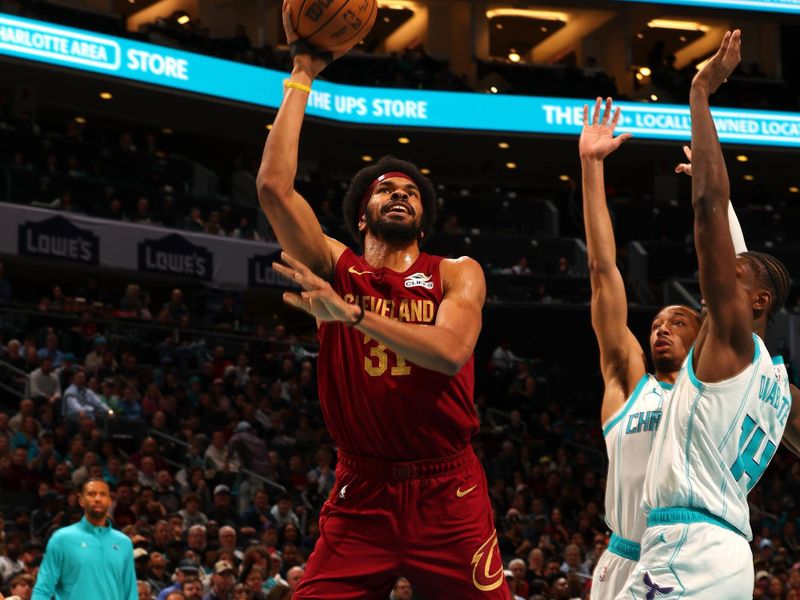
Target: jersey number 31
x: 378, y: 360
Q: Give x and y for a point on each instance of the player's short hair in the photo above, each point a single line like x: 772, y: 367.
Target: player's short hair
x: 773, y: 275
x: 362, y: 181
x: 93, y: 479
x: 694, y: 313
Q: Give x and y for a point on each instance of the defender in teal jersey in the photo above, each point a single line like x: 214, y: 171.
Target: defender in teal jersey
x: 633, y: 399
x: 731, y: 402
x: 89, y: 559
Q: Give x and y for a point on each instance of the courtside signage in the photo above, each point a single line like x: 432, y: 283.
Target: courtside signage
x: 118, y: 57
x: 784, y: 6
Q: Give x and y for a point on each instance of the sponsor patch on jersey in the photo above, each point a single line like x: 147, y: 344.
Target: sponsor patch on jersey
x: 419, y: 280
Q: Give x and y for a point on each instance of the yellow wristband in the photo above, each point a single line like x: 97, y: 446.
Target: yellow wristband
x: 297, y: 86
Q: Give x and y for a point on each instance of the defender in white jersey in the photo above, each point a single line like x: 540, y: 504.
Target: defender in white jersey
x: 731, y: 401
x: 633, y: 400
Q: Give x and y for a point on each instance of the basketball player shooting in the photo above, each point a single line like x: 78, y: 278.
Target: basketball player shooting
x: 397, y: 330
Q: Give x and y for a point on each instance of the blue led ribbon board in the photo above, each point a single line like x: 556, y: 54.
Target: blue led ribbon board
x: 174, y: 69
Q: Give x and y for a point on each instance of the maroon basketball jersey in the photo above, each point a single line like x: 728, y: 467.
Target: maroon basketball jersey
x: 378, y: 404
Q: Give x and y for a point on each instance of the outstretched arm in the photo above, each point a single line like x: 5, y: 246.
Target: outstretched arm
x: 737, y: 235
x: 293, y: 220
x: 621, y: 358
x: 791, y: 435
x: 730, y: 314
x: 444, y: 348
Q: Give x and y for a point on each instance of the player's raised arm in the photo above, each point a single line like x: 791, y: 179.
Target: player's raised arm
x: 293, y: 220
x: 729, y: 307
x: 737, y: 235
x: 622, y: 360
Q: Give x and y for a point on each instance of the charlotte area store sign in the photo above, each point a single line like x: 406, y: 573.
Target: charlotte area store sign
x: 81, y: 240
x: 165, y: 67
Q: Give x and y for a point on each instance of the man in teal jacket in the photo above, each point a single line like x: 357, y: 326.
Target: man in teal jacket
x: 89, y: 559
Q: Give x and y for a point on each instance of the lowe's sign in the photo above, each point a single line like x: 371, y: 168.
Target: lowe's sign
x: 175, y: 69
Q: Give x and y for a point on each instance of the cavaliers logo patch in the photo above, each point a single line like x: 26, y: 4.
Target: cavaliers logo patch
x: 482, y: 577
x: 419, y: 280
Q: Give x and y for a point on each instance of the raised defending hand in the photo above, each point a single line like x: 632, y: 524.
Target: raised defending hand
x: 311, y: 64
x: 720, y: 66
x: 597, y: 140
x: 318, y: 298
x: 685, y: 167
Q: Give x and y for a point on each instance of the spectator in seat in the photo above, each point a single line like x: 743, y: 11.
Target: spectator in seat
x: 282, y: 512
x: 573, y: 562
x: 196, y: 538
x: 193, y: 518
x: 176, y: 309
x: 194, y: 221
x: 222, y: 511
x: 517, y: 582
x: 67, y: 370
x: 26, y: 409
x: 521, y: 267
x: 21, y: 586
x: 250, y: 449
x: 222, y: 581
x: 157, y: 575
x: 193, y: 589
x: 51, y: 351
x: 143, y: 587
x: 142, y: 214
x: 187, y: 569
x: 402, y: 590
x: 122, y: 510
x: 81, y: 401
x: 115, y: 211
x: 94, y: 359
x: 45, y: 383
x: 18, y: 477
x: 258, y: 514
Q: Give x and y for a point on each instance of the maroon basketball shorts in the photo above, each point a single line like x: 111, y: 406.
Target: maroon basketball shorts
x: 429, y: 521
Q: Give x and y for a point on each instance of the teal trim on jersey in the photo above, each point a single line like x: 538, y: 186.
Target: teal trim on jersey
x: 677, y: 515
x: 777, y: 360
x: 624, y: 548
x: 689, y: 431
x: 690, y: 363
x: 665, y: 386
x: 628, y: 404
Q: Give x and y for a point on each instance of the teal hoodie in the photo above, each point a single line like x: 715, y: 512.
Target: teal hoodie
x: 84, y: 562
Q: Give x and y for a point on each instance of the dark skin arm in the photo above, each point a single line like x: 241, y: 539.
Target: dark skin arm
x: 791, y: 435
x: 290, y: 215
x: 622, y: 360
x: 444, y: 348
x: 725, y: 345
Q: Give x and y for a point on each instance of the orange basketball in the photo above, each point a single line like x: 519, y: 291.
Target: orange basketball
x: 333, y: 25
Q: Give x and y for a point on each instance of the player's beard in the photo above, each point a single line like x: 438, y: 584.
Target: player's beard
x: 393, y: 232
x: 667, y: 364
x: 98, y: 514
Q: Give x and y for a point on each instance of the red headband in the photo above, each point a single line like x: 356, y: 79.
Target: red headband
x: 380, y: 179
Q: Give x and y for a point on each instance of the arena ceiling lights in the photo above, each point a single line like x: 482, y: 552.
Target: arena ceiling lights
x: 544, y: 15
x: 679, y: 25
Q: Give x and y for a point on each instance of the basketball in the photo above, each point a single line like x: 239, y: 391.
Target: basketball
x: 333, y: 25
